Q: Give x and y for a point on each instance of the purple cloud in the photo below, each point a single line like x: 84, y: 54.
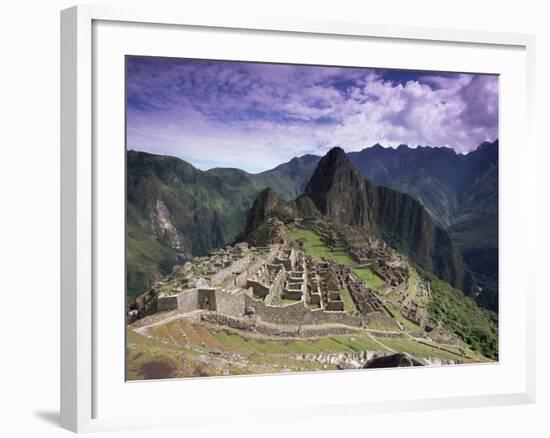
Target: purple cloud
x: 255, y: 116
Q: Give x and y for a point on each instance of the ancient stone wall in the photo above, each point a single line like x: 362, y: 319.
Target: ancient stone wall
x: 167, y: 303
x: 240, y: 279
x: 227, y: 321
x: 335, y: 305
x: 188, y: 301
x: 258, y: 326
x: 258, y: 283
x: 229, y: 303
x: 299, y: 314
x: 320, y: 316
x: 287, y: 258
x: 258, y: 288
x: 207, y: 298
x: 276, y: 288
x: 236, y: 267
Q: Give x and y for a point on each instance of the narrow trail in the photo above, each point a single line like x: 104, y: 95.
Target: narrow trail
x: 142, y: 329
x: 372, y: 338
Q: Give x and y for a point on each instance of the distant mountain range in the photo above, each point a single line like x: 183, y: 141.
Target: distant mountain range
x: 176, y: 211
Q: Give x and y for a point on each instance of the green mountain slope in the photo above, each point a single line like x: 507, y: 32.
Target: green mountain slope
x: 175, y: 211
x: 478, y: 327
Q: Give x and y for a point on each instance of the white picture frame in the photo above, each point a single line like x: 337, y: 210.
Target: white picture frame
x: 83, y: 369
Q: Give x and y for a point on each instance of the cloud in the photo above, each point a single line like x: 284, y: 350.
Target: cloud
x: 255, y: 116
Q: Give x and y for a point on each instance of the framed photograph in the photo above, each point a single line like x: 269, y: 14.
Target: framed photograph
x: 255, y: 209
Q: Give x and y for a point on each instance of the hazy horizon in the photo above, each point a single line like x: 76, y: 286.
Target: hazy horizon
x: 199, y: 166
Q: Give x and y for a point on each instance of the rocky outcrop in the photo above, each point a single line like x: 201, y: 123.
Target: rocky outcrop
x: 264, y: 203
x: 264, y: 224
x: 164, y: 229
x: 392, y: 361
x: 304, y: 206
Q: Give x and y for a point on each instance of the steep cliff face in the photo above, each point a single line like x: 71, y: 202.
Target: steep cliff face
x: 459, y: 191
x: 428, y: 174
x: 344, y: 197
x: 406, y: 225
x: 338, y: 191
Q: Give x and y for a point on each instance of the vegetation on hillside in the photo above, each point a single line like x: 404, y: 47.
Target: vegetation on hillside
x: 147, y: 261
x: 460, y: 314
x: 207, y: 208
x: 459, y: 191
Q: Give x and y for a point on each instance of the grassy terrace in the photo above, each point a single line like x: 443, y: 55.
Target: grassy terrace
x: 182, y: 334
x: 349, y: 305
x: 407, y: 324
x: 151, y: 359
x: 369, y: 277
x: 337, y: 343
x: 418, y: 349
x: 314, y: 246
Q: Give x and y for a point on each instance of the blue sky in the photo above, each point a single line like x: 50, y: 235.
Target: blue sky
x: 255, y: 116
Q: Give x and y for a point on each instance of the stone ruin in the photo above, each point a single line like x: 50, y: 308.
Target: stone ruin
x: 365, y: 300
x: 267, y: 282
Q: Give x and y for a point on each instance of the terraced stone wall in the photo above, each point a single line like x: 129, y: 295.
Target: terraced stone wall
x: 297, y: 314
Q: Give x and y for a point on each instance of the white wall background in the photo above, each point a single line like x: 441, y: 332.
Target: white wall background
x: 29, y: 215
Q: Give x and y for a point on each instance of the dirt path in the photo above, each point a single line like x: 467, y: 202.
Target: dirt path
x: 142, y: 329
x: 372, y: 338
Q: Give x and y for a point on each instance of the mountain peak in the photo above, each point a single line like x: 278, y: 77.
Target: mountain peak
x: 265, y: 201
x: 338, y: 191
x: 374, y: 147
x: 487, y: 145
x: 335, y: 153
